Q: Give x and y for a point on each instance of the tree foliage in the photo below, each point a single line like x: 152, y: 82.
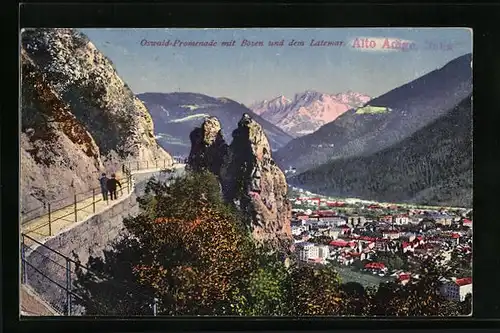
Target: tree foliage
x: 315, y: 291
x: 193, y: 252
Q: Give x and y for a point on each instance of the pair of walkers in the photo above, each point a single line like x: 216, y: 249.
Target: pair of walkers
x: 109, y: 185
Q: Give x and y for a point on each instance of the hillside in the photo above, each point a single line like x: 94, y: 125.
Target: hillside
x: 78, y: 118
x: 433, y: 166
x: 176, y: 114
x: 385, y: 120
x: 307, y: 111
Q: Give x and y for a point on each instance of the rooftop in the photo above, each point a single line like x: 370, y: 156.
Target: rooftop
x: 463, y: 281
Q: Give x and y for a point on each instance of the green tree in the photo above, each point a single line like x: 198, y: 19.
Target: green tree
x: 190, y: 250
x: 315, y: 291
x: 420, y: 297
x: 268, y: 288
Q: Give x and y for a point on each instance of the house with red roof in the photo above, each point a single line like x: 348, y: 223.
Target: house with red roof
x: 335, y: 204
x: 376, y: 266
x: 404, y: 278
x: 456, y: 290
x: 408, y: 247
x: 418, y: 241
x: 302, y: 217
x: 455, y: 236
x: 345, y: 230
x: 339, y: 243
x: 467, y: 223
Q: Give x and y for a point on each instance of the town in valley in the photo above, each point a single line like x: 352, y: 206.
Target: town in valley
x: 372, y: 243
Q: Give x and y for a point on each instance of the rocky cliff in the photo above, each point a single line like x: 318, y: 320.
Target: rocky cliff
x: 249, y: 177
x: 208, y: 147
x: 78, y: 117
x: 176, y: 114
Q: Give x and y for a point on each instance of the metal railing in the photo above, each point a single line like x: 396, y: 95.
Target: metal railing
x: 145, y: 165
x: 78, y: 203
x: 78, y: 199
x: 54, y: 276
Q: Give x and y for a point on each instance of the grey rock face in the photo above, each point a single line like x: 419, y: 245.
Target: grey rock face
x: 249, y: 177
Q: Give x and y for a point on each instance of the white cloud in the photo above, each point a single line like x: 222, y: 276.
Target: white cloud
x: 381, y: 44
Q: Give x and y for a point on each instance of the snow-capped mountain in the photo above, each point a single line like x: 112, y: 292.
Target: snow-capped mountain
x: 384, y: 121
x: 175, y: 115
x: 307, y: 111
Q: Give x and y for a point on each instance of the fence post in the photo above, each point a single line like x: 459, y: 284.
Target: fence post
x: 137, y: 165
x: 156, y: 161
x: 23, y: 261
x: 155, y: 306
x: 68, y: 287
x: 50, y: 220
x: 147, y: 165
x: 76, y: 219
x: 164, y: 163
x: 93, y: 200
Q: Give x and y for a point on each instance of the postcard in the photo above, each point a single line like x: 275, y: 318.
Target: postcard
x: 246, y: 172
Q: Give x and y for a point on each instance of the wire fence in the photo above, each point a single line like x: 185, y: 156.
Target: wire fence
x: 84, y: 200
x: 52, y: 275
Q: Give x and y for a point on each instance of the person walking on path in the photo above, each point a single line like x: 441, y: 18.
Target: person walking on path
x: 111, y: 185
x: 104, y: 186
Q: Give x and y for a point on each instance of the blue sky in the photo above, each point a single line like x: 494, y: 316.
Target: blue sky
x: 250, y: 74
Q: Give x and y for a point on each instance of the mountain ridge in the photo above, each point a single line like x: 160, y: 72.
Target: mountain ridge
x: 307, y: 111
x: 168, y: 108
x: 408, y: 108
x: 409, y: 171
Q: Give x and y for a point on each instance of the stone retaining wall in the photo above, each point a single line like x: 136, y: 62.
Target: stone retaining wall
x: 46, y: 272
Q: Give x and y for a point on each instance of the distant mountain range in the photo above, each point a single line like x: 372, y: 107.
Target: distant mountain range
x: 175, y: 115
x: 384, y: 121
x: 432, y: 166
x: 307, y: 111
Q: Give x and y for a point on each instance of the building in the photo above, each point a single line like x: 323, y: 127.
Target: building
x: 467, y: 223
x: 391, y: 234
x: 356, y: 221
x: 323, y: 251
x: 307, y: 251
x: 332, y: 221
x: 298, y: 230
x: 376, y: 266
x: 408, y: 247
x: 442, y: 219
x: 333, y: 233
x: 404, y: 278
x: 400, y: 219
x: 457, y: 290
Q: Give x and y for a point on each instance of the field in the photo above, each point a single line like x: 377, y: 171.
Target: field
x: 372, y: 110
x: 348, y: 275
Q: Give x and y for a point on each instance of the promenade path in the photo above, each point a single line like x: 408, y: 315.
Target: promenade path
x: 64, y: 219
